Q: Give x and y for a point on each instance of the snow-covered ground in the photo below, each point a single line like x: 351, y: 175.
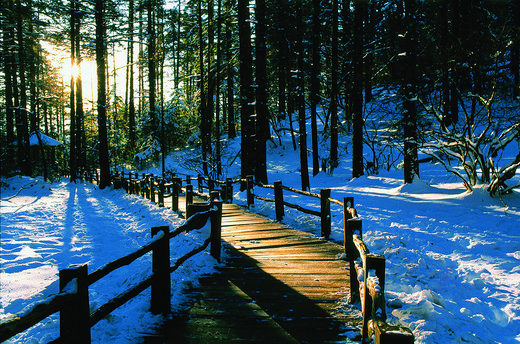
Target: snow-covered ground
x: 452, y: 257
x: 46, y: 227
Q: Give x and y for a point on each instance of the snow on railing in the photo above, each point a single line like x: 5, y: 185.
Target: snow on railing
x: 367, y: 285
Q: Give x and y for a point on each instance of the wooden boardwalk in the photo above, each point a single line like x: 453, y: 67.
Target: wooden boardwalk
x: 276, y: 285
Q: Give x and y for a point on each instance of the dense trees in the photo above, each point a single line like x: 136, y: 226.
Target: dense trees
x: 214, y: 67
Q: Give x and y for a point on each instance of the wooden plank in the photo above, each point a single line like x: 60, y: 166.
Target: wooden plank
x: 277, y: 285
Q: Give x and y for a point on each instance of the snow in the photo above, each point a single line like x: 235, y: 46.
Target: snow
x: 46, y: 140
x: 452, y: 256
x: 47, y: 227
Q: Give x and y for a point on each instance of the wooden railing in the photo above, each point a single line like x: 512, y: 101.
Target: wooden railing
x: 367, y: 270
x: 367, y: 284
x: 364, y: 266
x: 73, y: 300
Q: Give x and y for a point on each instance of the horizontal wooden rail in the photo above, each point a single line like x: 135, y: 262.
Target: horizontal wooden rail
x: 323, y: 196
x: 119, y: 300
x: 300, y: 192
x: 302, y: 209
x: 123, y: 261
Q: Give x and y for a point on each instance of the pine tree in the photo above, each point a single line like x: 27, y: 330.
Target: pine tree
x: 357, y: 90
x: 22, y: 125
x: 246, y: 91
x: 334, y: 92
x: 262, y: 109
x: 304, y: 165
x: 411, y: 165
x: 315, y: 83
x: 104, y: 160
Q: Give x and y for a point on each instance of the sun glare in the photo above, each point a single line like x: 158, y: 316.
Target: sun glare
x: 86, y: 70
x: 74, y: 71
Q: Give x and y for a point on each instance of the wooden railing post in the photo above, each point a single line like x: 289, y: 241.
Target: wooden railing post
x: 152, y: 188
x: 278, y: 200
x: 126, y: 184
x: 199, y: 183
x: 175, y: 193
x: 131, y: 184
x: 75, y: 316
x: 161, y: 192
x: 351, y: 226
x: 250, y: 191
x: 213, y: 196
x: 189, y: 195
x: 143, y: 186
x: 224, y: 193
x: 229, y: 191
x: 377, y: 263
x: 161, y: 285
x: 325, y: 213
x: 117, y: 181
x: 138, y: 189
x: 216, y: 229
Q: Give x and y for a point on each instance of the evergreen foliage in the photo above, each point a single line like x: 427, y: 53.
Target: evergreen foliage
x: 197, y: 73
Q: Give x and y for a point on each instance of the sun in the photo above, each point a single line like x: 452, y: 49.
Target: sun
x: 87, y: 71
x: 74, y: 71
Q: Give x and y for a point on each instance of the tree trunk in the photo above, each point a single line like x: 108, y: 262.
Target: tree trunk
x: 282, y: 53
x: 72, y: 144
x: 130, y: 77
x: 369, y: 38
x: 205, y: 134
x: 22, y: 122
x: 515, y: 47
x: 81, y: 154
x: 32, y: 60
x: 230, y: 76
x: 217, y: 91
x: 246, y: 90
x: 455, y: 74
x: 152, y: 78
x: 104, y: 162
x: 262, y: 110
x: 211, y: 86
x: 141, y: 64
x: 357, y: 91
x: 304, y: 164
x: 411, y: 165
x: 334, y: 89
x: 8, y: 41
x: 315, y: 84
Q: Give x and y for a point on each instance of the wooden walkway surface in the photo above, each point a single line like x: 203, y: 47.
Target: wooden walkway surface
x: 276, y: 284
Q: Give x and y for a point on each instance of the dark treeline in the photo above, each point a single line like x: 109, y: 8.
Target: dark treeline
x: 206, y: 71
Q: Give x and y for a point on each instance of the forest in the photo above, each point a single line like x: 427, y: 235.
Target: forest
x: 123, y: 83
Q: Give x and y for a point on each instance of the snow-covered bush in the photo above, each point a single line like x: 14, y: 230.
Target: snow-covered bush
x: 475, y: 142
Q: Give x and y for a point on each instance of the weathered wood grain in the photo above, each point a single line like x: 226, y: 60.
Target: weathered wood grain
x: 276, y: 285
